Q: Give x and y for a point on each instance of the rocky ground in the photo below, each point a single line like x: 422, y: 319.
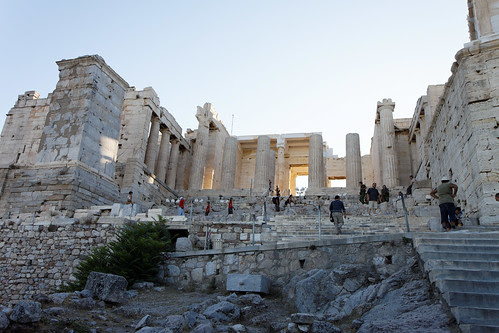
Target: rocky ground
x: 348, y: 298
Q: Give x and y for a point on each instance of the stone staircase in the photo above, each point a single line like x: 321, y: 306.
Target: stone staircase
x: 306, y: 227
x: 464, y: 267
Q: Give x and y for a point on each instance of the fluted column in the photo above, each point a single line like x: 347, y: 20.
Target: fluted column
x: 353, y: 161
x: 171, y: 174
x: 229, y: 163
x: 183, y: 169
x: 315, y: 163
x: 163, y: 156
x: 282, y: 174
x: 152, y: 144
x: 261, y: 163
x: 387, y: 152
x: 271, y: 170
x: 375, y: 157
x: 199, y: 156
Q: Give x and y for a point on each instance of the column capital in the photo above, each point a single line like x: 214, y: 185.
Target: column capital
x: 387, y: 103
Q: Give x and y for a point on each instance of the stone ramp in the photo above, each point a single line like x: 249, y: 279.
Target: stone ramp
x: 464, y: 267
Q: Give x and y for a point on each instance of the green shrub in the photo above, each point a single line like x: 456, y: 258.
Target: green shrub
x: 135, y: 254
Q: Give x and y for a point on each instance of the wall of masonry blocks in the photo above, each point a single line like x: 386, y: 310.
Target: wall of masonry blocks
x: 463, y: 135
x: 206, y: 269
x: 38, y: 257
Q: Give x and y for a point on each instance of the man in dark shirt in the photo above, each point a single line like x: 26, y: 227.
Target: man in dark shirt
x: 338, y: 211
x: 372, y: 199
x: 362, y: 193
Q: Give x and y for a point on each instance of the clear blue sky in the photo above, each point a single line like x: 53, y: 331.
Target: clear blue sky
x: 277, y: 66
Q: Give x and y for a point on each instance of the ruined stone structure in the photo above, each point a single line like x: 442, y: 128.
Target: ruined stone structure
x: 454, y: 128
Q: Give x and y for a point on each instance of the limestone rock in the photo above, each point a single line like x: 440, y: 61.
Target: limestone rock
x: 58, y: 298
x: 183, y: 244
x: 204, y: 328
x: 174, y: 323
x: 84, y: 303
x: 223, y: 312
x: 303, y: 318
x: 26, y: 312
x: 238, y: 328
x: 324, y: 327
x: 143, y: 322
x: 107, y: 287
x: 4, y: 321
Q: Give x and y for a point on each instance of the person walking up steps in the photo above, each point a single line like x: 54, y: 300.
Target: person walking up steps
x: 338, y: 212
x: 446, y: 194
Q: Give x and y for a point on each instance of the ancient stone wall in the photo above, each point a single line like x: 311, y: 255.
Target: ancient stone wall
x: 280, y: 263
x: 38, y: 257
x: 463, y: 136
x: 23, y: 129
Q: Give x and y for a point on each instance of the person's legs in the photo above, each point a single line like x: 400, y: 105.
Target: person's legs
x: 338, y: 222
x: 444, y: 219
x: 375, y: 205
x: 451, y: 211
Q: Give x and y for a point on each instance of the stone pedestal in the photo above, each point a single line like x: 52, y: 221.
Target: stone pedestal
x: 353, y: 161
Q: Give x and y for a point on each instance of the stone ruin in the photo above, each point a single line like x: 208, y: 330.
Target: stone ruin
x: 68, y: 162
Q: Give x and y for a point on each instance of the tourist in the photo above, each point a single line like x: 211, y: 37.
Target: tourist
x: 181, y: 204
x: 130, y: 198
x: 385, y: 194
x: 337, y: 213
x: 277, y: 199
x: 288, y: 201
x: 362, y: 193
x: 208, y: 209
x: 459, y: 216
x: 446, y: 193
x: 409, y: 188
x: 497, y: 196
x: 372, y: 199
x: 231, y: 207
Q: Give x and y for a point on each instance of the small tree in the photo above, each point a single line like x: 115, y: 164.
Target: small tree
x: 135, y: 254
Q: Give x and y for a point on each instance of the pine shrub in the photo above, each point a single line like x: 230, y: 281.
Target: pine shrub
x: 135, y: 254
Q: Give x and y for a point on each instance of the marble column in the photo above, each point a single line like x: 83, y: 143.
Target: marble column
x: 375, y: 154
x: 282, y: 172
x: 315, y: 162
x: 353, y: 161
x: 163, y: 156
x: 152, y: 144
x: 271, y: 170
x: 292, y: 182
x: 229, y: 163
x: 387, y: 151
x: 199, y: 156
x: 183, y: 169
x: 171, y: 174
x: 261, y: 163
